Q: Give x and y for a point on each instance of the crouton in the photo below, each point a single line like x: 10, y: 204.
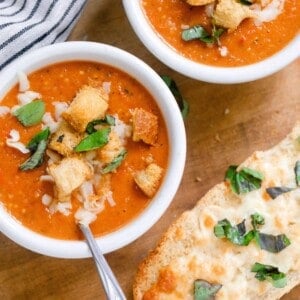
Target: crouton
x: 229, y: 14
x: 68, y: 175
x: 199, y: 2
x: 148, y: 180
x: 89, y: 104
x: 65, y: 139
x: 114, y: 146
x: 145, y: 126
x: 60, y: 196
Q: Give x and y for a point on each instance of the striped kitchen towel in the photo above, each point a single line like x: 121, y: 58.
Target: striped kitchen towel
x: 30, y: 24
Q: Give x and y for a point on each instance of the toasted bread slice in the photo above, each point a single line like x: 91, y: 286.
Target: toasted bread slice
x: 189, y: 250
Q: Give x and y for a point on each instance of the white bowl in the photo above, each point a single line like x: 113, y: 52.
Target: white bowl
x: 213, y: 74
x: 95, y: 52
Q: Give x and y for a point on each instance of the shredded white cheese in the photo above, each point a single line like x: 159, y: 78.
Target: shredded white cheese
x: 86, y: 190
x: 269, y: 12
x: 209, y: 9
x: 184, y: 26
x: 14, y: 108
x: 4, y: 110
x: 27, y: 97
x: 92, y: 204
x: 110, y: 199
x: 123, y: 130
x: 106, y: 87
x: 223, y: 51
x: 62, y: 207
x: 23, y: 81
x: 84, y: 216
x: 48, y: 121
x: 46, y: 178
x: 13, y: 141
x: 53, y: 156
x: 46, y: 199
x: 60, y: 107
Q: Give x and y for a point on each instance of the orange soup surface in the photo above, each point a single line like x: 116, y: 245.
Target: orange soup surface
x: 246, y: 45
x: 21, y: 191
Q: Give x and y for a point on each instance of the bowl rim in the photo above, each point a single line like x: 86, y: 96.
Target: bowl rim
x: 212, y: 74
x: 126, y: 62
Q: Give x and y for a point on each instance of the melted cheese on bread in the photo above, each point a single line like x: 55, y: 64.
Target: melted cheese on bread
x: 189, y: 250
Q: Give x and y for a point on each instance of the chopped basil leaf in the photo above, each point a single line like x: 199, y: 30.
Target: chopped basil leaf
x: 241, y: 227
x: 246, y: 2
x: 183, y: 105
x: 270, y: 273
x: 214, y: 37
x: 93, y: 141
x: 36, y: 159
x: 257, y: 219
x: 108, y: 120
x: 238, y: 236
x: 248, y: 237
x: 244, y: 181
x: 40, y: 136
x: 277, y: 191
x: 194, y: 33
x: 235, y: 234
x: 198, y: 32
x: 272, y: 243
x: 297, y: 172
x: 115, y: 162
x: 31, y: 113
x: 230, y: 176
x: 204, y: 290
x: 253, y: 173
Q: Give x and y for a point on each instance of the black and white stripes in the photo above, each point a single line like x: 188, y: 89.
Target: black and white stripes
x: 30, y: 24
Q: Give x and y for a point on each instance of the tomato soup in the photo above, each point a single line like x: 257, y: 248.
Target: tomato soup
x: 246, y: 45
x: 22, y: 191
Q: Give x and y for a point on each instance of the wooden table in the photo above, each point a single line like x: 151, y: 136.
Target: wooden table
x: 225, y: 125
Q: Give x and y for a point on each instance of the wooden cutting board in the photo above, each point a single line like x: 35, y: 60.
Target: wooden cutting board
x: 225, y: 125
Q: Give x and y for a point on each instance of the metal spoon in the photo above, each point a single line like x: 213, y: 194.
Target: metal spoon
x: 110, y: 284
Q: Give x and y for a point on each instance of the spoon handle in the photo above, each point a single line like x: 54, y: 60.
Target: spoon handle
x: 110, y: 284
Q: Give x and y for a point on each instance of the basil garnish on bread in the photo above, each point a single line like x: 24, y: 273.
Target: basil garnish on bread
x: 273, y: 243
x: 204, y: 290
x: 297, y: 172
x: 235, y: 234
x: 238, y: 236
x: 270, y: 273
x: 276, y: 191
x: 243, y: 181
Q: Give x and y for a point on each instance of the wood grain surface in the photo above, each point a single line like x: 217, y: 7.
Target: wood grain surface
x: 225, y: 125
